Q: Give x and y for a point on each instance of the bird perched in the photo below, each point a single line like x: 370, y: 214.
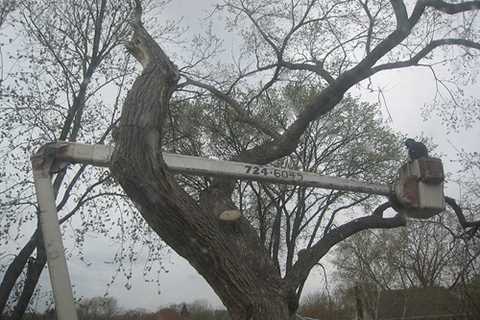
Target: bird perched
x: 416, y: 150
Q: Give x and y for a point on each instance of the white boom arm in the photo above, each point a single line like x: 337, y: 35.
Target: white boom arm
x: 100, y: 155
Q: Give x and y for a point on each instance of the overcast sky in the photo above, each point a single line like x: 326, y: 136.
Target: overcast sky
x: 405, y: 93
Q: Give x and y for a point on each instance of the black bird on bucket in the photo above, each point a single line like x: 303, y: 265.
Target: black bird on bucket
x: 416, y: 150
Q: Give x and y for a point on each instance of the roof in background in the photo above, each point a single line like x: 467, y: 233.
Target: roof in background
x: 419, y: 302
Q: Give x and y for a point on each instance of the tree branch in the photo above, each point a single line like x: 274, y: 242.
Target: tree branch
x: 452, y: 8
x: 264, y: 35
x: 243, y: 116
x: 328, y: 98
x: 473, y: 226
x: 308, y: 258
x: 317, y: 68
x: 400, y: 15
x: 424, y: 52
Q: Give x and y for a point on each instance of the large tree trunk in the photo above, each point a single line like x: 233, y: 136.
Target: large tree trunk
x: 228, y: 255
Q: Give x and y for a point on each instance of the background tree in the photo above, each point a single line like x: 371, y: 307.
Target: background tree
x: 427, y: 254
x: 6, y: 7
x: 68, y: 84
x: 323, y: 305
x: 98, y: 308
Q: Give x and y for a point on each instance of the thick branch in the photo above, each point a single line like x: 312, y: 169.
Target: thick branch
x: 308, y: 258
x: 333, y: 94
x: 318, y: 69
x: 243, y: 116
x: 475, y: 225
x: 15, y: 269
x: 330, y: 96
x: 34, y: 270
x: 400, y: 14
x: 424, y: 52
x: 452, y: 8
x: 288, y: 142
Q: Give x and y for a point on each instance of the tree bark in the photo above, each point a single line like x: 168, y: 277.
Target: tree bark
x: 34, y: 270
x: 70, y: 130
x: 15, y: 270
x: 228, y: 255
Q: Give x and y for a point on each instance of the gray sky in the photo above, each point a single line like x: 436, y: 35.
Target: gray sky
x: 405, y: 92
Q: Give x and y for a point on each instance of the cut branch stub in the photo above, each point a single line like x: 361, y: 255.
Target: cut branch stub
x: 230, y: 215
x: 218, y: 201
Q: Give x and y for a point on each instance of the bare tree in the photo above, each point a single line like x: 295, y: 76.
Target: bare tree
x: 468, y: 281
x: 72, y: 55
x: 6, y: 7
x: 427, y: 254
x: 423, y: 255
x: 97, y: 308
x: 341, y: 43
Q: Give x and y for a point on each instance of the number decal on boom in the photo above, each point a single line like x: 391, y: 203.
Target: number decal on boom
x: 273, y: 172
